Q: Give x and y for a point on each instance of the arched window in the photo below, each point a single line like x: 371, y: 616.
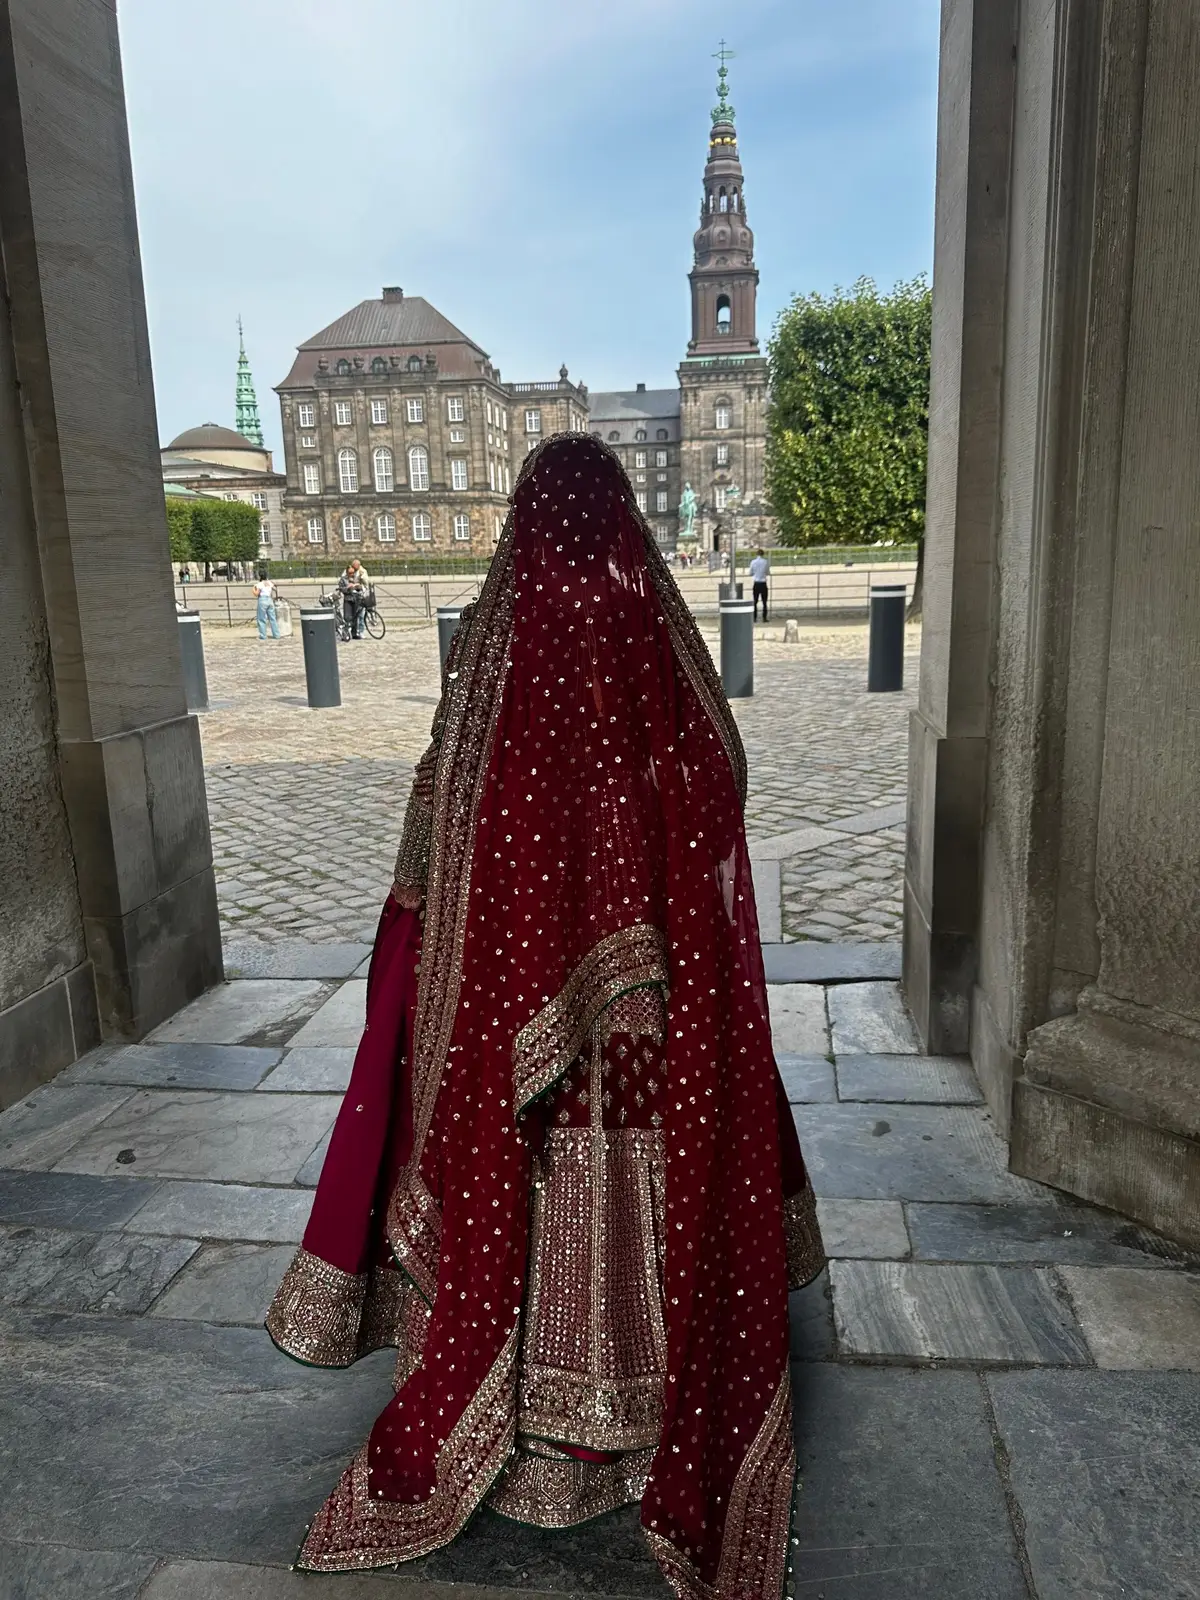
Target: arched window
x: 386, y: 528
x: 614, y: 436
x: 723, y: 416
x: 422, y: 527
x: 462, y: 526
x: 343, y: 368
x: 378, y: 365
x: 414, y: 363
x: 384, y: 476
x: 640, y: 435
x: 661, y: 434
x: 347, y: 472
x: 351, y: 530
x: 724, y: 314
x: 712, y: 204
x: 418, y: 468
x: 735, y: 202
x: 724, y: 201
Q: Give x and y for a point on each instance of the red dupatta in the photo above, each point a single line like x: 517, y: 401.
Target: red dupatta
x: 587, y: 842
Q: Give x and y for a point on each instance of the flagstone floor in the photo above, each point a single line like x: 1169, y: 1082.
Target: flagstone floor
x: 997, y: 1391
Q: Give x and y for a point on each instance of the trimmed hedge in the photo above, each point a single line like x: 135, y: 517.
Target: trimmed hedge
x: 213, y: 530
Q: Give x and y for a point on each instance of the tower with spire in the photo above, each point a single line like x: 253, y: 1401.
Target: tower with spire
x: 247, y: 421
x: 723, y: 376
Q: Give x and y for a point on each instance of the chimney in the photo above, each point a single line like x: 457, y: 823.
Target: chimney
x: 393, y: 294
x: 641, y: 388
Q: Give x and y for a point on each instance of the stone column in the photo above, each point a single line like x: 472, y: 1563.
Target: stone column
x: 129, y: 754
x: 1109, y: 1102
x: 948, y: 740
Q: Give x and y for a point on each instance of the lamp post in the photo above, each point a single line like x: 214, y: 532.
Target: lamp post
x: 733, y: 499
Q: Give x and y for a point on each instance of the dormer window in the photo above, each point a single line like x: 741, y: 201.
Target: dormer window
x: 343, y: 368
x: 640, y: 435
x: 415, y: 363
x: 378, y: 366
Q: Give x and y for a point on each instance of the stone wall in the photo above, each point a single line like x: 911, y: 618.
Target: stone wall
x: 97, y: 641
x: 1052, y: 915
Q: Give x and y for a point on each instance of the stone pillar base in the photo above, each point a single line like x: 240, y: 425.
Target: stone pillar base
x: 46, y: 1032
x: 1106, y: 1109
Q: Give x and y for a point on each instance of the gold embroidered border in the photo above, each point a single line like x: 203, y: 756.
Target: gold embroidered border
x: 802, y: 1233
x: 353, y: 1531
x: 612, y: 1414
x: 544, y: 1049
x: 412, y: 858
x: 329, y: 1318
x: 552, y: 1490
x: 754, y: 1541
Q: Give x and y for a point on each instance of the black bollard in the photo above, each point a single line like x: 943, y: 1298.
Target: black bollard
x: 885, y: 660
x: 737, y: 648
x: 724, y: 594
x: 191, y: 649
x: 318, y: 629
x: 448, y: 618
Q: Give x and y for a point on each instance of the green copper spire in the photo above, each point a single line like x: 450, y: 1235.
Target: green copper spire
x: 248, y: 423
x: 723, y: 111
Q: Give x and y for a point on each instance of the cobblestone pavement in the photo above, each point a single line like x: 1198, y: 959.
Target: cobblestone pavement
x: 307, y: 806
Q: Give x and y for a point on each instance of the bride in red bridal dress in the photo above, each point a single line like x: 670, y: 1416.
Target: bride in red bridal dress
x: 564, y: 1182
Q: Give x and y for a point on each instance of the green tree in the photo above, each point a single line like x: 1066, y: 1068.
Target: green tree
x: 224, y: 530
x: 848, y: 423
x: 179, y: 526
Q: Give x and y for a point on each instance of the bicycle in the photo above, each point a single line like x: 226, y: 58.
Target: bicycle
x: 373, y: 624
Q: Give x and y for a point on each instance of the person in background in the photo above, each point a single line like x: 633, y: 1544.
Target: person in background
x: 354, y: 584
x: 760, y: 572
x: 265, y: 595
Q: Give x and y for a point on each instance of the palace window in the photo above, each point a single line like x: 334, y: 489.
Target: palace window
x: 414, y: 363
x: 385, y: 526
x: 258, y: 500
x: 458, y: 474
x: 455, y: 411
x: 719, y: 497
x: 379, y: 412
x: 342, y: 413
x: 641, y: 500
x: 347, y: 472
x: 308, y: 441
x: 504, y: 423
x: 661, y: 434
x: 462, y: 526
x: 724, y: 414
x: 418, y: 468
x: 384, y: 475
x: 722, y: 455
x: 660, y: 458
x: 415, y: 409
x: 488, y: 409
x: 614, y: 436
x: 640, y: 435
x: 507, y: 479
x: 312, y: 477
x: 351, y: 530
x: 640, y: 478
x: 264, y: 533
x: 343, y: 368
x: 660, y: 500
x: 379, y: 366
x: 533, y: 422
x: 491, y: 475
x: 639, y: 459
x: 660, y: 477
x: 458, y: 436
x: 422, y: 527
x: 230, y: 495
x: 316, y: 530
x: 306, y: 415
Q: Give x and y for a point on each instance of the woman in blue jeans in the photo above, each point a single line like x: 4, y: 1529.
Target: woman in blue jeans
x: 264, y: 591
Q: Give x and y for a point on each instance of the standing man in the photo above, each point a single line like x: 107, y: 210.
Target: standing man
x: 354, y: 584
x: 760, y: 571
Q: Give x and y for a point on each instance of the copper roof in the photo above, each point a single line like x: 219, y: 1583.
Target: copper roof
x: 211, y: 436
x: 394, y: 320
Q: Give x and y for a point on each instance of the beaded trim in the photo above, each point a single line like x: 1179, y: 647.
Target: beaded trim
x: 329, y: 1318
x: 757, y: 1522
x: 551, y: 1490
x: 354, y: 1529
x: 546, y: 1046
x: 802, y: 1234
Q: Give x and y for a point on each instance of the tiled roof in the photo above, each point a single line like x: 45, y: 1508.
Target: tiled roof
x: 392, y: 321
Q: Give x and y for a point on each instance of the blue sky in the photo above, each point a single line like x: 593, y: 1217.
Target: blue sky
x: 532, y: 167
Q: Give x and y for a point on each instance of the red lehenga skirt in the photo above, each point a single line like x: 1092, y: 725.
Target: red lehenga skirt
x: 593, y: 1340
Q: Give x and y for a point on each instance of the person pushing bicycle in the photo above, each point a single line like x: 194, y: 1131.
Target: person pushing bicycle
x: 354, y: 586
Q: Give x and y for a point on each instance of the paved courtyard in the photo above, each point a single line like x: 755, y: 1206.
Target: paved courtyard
x: 307, y: 806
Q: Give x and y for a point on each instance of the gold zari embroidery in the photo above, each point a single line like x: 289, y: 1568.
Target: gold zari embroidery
x: 552, y: 1490
x: 329, y: 1318
x: 548, y: 1044
x: 802, y: 1233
